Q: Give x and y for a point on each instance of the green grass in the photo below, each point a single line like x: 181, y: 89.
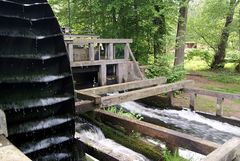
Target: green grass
x: 235, y: 90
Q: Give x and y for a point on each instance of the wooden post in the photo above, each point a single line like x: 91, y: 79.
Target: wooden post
x: 219, y: 110
x: 170, y: 98
x: 110, y: 51
x: 134, y: 61
x: 125, y: 72
x: 126, y: 52
x: 70, y: 51
x: 106, y: 51
x: 193, y: 101
x: 119, y: 73
x: 91, y: 52
x: 172, y: 148
x: 102, y: 75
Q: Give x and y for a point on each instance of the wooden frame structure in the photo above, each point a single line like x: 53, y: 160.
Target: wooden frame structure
x: 219, y: 95
x: 133, y: 91
x: 121, y: 65
x: 96, y: 98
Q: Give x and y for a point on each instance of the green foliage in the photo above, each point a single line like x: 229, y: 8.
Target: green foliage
x: 121, y: 112
x: 223, y: 76
x: 204, y: 55
x: 233, y: 56
x: 162, y: 67
x: 172, y: 157
x: 134, y: 19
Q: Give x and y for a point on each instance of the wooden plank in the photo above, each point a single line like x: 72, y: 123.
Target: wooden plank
x: 126, y: 86
x: 212, y: 93
x: 97, y: 62
x: 143, y: 93
x: 9, y: 152
x: 102, y: 75
x: 91, y: 52
x: 70, y: 51
x: 134, y: 61
x: 3, y: 124
x: 166, y: 135
x: 126, y: 52
x: 219, y: 107
x: 104, y: 41
x: 85, y: 106
x: 97, y: 151
x: 119, y: 73
x: 110, y: 51
x: 89, y: 96
x: 227, y: 152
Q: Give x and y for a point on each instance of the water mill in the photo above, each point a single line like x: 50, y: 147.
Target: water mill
x: 67, y: 94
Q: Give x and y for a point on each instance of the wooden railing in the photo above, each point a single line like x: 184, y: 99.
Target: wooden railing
x: 91, y: 43
x: 219, y: 95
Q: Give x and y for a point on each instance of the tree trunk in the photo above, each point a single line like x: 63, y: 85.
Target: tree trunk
x: 181, y: 32
x: 159, y: 45
x: 218, y: 61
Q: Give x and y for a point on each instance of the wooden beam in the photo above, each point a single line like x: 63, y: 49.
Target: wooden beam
x: 102, y: 75
x: 70, y: 52
x: 3, y: 124
x: 96, y: 151
x: 143, y: 93
x: 104, y: 41
x: 119, y: 73
x: 227, y: 152
x: 91, y: 52
x: 110, y: 51
x: 166, y: 135
x: 212, y: 93
x: 89, y: 96
x: 126, y: 86
x: 134, y: 61
x: 8, y: 152
x: 97, y: 62
x: 85, y: 106
x: 126, y: 52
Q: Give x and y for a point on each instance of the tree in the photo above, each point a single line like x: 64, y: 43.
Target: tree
x: 222, y: 45
x: 181, y: 32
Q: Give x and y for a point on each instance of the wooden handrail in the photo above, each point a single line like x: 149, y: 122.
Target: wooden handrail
x: 219, y: 95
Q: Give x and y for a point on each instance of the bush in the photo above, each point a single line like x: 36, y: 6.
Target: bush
x: 162, y: 67
x: 206, y: 56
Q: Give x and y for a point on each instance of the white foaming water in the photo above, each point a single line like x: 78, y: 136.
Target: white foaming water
x: 95, y: 137
x: 187, y: 154
x: 193, y: 116
x: 187, y: 121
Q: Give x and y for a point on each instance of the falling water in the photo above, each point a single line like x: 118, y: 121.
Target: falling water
x: 93, y: 136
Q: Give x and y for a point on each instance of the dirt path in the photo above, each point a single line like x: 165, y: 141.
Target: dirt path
x: 207, y: 103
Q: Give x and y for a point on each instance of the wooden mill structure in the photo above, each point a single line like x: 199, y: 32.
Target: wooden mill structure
x: 102, y: 61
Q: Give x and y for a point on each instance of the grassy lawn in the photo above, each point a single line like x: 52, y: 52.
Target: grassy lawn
x: 229, y: 81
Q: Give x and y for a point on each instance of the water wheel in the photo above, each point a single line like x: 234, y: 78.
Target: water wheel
x: 36, y: 87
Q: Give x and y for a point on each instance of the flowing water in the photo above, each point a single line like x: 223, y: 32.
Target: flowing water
x: 186, y: 121
x: 94, y: 137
